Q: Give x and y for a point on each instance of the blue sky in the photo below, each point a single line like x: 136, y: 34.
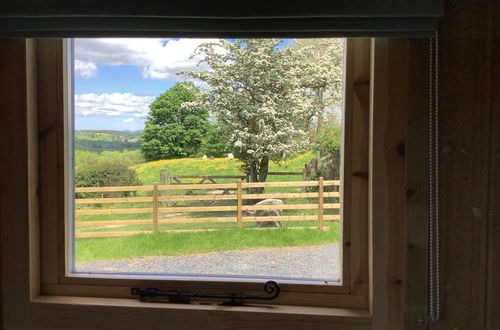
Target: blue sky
x: 117, y: 79
x: 123, y: 78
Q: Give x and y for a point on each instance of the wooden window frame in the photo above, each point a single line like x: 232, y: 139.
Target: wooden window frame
x: 354, y: 190
x: 50, y: 287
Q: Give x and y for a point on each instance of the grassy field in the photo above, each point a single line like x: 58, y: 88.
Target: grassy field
x: 150, y: 172
x: 107, y: 140
x: 230, y: 238
x: 163, y: 244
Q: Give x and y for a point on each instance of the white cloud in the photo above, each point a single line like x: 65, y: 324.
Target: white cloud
x: 85, y: 69
x: 128, y: 120
x: 112, y: 105
x: 158, y: 58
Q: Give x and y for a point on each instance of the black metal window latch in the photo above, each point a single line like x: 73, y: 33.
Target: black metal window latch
x: 177, y: 297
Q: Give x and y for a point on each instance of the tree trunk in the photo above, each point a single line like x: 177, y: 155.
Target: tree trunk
x: 258, y: 170
x: 263, y: 170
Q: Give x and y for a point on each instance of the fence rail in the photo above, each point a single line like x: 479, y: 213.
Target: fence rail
x: 167, y: 178
x: 208, y: 186
x: 211, y: 192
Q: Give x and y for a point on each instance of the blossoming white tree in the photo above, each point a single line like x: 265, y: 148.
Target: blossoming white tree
x: 257, y: 92
x: 323, y: 64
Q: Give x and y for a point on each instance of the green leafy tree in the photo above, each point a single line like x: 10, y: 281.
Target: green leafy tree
x: 173, y: 130
x: 215, y: 143
x: 256, y: 90
x: 329, y: 144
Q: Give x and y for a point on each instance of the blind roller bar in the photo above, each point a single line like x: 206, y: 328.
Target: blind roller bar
x: 223, y: 8
x: 73, y: 27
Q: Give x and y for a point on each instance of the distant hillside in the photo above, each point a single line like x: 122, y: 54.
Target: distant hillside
x: 107, y: 140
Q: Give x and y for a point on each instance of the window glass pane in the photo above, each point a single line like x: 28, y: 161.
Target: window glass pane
x: 208, y: 157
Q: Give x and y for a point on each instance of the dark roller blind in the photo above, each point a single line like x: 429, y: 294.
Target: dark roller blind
x: 223, y: 18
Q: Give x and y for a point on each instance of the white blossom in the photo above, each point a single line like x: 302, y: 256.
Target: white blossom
x: 257, y: 90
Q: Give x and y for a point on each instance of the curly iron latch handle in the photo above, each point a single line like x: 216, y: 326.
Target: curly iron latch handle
x: 177, y: 297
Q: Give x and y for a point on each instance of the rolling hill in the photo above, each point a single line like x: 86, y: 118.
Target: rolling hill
x: 107, y: 140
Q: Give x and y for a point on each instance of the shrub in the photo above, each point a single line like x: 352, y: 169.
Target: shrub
x: 329, y: 144
x: 105, y: 174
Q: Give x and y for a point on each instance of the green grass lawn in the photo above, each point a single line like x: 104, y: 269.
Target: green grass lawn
x: 194, y: 226
x: 168, y: 244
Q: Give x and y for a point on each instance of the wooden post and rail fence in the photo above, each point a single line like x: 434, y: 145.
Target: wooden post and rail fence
x: 177, y: 214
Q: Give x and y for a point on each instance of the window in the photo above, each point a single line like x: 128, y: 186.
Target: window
x: 57, y: 275
x: 375, y: 269
x: 45, y: 306
x: 267, y: 113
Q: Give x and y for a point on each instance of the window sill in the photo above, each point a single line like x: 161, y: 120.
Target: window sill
x: 118, y: 311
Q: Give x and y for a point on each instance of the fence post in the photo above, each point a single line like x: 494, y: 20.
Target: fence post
x: 239, y: 215
x: 304, y: 177
x: 162, y: 177
x: 320, y: 204
x: 155, y: 207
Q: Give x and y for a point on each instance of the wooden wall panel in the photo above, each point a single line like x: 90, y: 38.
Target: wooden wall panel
x: 493, y: 263
x: 465, y: 77
x: 355, y: 166
x: 469, y: 199
x: 50, y: 130
x: 387, y: 179
x: 416, y: 186
x: 14, y: 179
